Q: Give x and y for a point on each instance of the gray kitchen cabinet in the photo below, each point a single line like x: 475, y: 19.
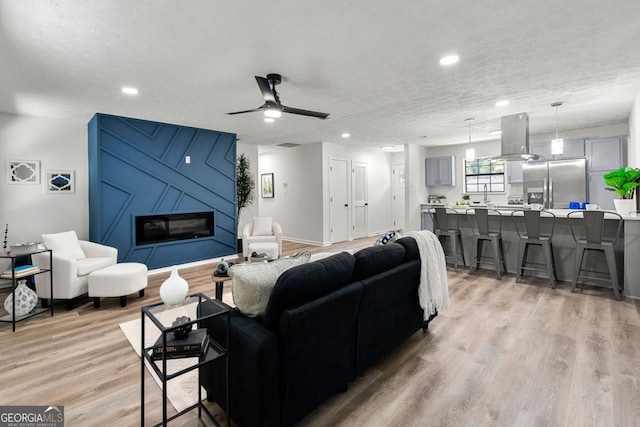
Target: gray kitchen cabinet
x: 440, y: 171
x: 514, y: 172
x: 571, y: 148
x: 604, y: 154
x: 597, y: 193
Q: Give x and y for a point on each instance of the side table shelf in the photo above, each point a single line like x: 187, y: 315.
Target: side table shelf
x: 161, y: 318
x: 12, y: 317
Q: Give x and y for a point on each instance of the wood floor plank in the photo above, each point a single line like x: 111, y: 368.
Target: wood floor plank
x: 503, y: 354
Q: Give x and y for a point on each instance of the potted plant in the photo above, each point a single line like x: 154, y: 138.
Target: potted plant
x: 623, y: 182
x: 245, y: 186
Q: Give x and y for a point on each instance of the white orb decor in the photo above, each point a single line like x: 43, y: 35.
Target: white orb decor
x: 26, y: 299
x: 174, y: 290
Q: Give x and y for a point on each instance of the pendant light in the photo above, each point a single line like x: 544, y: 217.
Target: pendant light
x: 470, y: 154
x: 557, y: 144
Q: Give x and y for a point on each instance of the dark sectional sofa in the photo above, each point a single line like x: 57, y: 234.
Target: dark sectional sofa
x: 326, y: 323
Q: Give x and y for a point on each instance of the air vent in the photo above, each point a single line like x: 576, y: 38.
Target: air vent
x: 289, y: 145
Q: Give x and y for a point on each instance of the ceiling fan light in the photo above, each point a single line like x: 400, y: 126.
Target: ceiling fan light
x: 272, y: 113
x: 557, y: 146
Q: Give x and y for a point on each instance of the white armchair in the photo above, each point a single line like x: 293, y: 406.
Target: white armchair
x: 261, y: 230
x: 73, y: 261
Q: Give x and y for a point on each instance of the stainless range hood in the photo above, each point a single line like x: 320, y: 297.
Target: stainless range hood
x: 515, y: 138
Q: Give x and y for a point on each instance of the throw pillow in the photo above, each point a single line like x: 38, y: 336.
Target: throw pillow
x: 262, y: 226
x: 64, y: 244
x: 388, y: 237
x: 252, y: 283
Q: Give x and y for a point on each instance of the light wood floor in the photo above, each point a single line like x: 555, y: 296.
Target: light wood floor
x: 503, y: 354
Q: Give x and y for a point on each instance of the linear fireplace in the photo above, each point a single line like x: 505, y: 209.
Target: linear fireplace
x: 170, y: 227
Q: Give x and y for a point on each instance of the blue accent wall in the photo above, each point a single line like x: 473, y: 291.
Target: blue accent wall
x: 137, y: 167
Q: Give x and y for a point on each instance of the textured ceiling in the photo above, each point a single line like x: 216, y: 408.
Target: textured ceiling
x: 372, y: 64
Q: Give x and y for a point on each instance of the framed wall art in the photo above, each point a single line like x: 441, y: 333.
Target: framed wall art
x: 22, y: 171
x: 266, y: 185
x: 59, y: 182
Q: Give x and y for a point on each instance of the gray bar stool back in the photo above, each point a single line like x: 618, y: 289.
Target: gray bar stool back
x: 594, y: 236
x: 486, y: 225
x: 536, y: 229
x: 447, y: 226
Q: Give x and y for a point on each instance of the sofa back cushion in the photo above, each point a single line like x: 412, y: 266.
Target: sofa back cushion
x: 376, y: 259
x: 410, y: 246
x: 307, y: 282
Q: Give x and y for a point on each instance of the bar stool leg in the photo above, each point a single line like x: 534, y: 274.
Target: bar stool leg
x: 479, y: 253
x: 496, y: 257
x: 553, y: 257
x: 548, y: 257
x: 613, y: 271
x: 577, y: 266
x: 522, y: 259
x: 464, y: 262
x: 474, y: 255
x: 454, y: 251
x: 504, y: 265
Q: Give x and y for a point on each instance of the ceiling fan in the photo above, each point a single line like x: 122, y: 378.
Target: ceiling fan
x: 272, y: 106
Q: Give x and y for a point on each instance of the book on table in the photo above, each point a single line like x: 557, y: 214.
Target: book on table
x: 21, y: 271
x: 194, y: 345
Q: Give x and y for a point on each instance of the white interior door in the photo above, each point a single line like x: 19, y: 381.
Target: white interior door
x: 398, y: 196
x: 359, y: 186
x: 338, y: 200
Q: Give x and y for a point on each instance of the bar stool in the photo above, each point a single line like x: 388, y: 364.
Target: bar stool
x: 592, y: 238
x: 483, y: 230
x: 446, y: 226
x: 532, y: 232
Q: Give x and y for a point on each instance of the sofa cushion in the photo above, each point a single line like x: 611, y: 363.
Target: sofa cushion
x: 307, y: 282
x: 376, y: 259
x: 252, y: 283
x: 64, y: 244
x: 411, y: 251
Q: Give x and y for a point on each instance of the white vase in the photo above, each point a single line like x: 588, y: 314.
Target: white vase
x: 174, y: 290
x: 26, y: 299
x: 624, y: 206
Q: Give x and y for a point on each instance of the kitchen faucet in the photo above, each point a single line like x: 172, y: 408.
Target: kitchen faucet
x: 486, y: 199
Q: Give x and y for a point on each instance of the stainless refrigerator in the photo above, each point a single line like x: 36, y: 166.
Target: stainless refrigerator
x: 555, y: 183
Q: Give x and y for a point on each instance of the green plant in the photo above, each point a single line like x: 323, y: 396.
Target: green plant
x: 623, y: 181
x: 245, y: 183
x: 442, y: 197
x: 466, y: 197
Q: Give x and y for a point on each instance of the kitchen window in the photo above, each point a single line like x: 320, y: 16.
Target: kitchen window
x: 483, y: 172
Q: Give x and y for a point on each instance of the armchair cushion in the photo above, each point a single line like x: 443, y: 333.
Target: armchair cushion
x: 89, y: 265
x: 64, y: 244
x: 262, y: 226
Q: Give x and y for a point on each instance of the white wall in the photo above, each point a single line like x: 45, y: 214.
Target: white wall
x: 298, y: 207
x: 58, y: 145
x: 634, y: 133
x: 415, y: 189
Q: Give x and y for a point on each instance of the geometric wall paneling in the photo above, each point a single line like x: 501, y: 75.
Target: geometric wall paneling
x: 140, y: 168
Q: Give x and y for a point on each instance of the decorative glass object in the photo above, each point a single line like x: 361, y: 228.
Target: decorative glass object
x: 26, y: 299
x: 174, y: 290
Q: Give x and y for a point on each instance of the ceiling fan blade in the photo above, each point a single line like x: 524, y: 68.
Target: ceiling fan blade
x: 305, y: 112
x: 247, y: 111
x: 267, y: 93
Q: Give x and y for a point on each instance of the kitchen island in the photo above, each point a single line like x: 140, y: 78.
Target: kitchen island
x: 627, y: 248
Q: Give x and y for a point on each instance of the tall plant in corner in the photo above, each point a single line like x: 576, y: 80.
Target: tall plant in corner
x: 245, y: 183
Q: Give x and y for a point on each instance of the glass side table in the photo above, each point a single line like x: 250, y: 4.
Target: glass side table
x: 157, y: 330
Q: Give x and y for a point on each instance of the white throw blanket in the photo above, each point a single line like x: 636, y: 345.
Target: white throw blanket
x: 433, y: 291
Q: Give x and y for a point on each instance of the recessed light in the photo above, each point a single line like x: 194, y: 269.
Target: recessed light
x: 269, y: 119
x: 130, y: 90
x: 346, y: 135
x: 449, y: 60
x: 387, y: 147
x: 495, y: 132
x: 502, y: 103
